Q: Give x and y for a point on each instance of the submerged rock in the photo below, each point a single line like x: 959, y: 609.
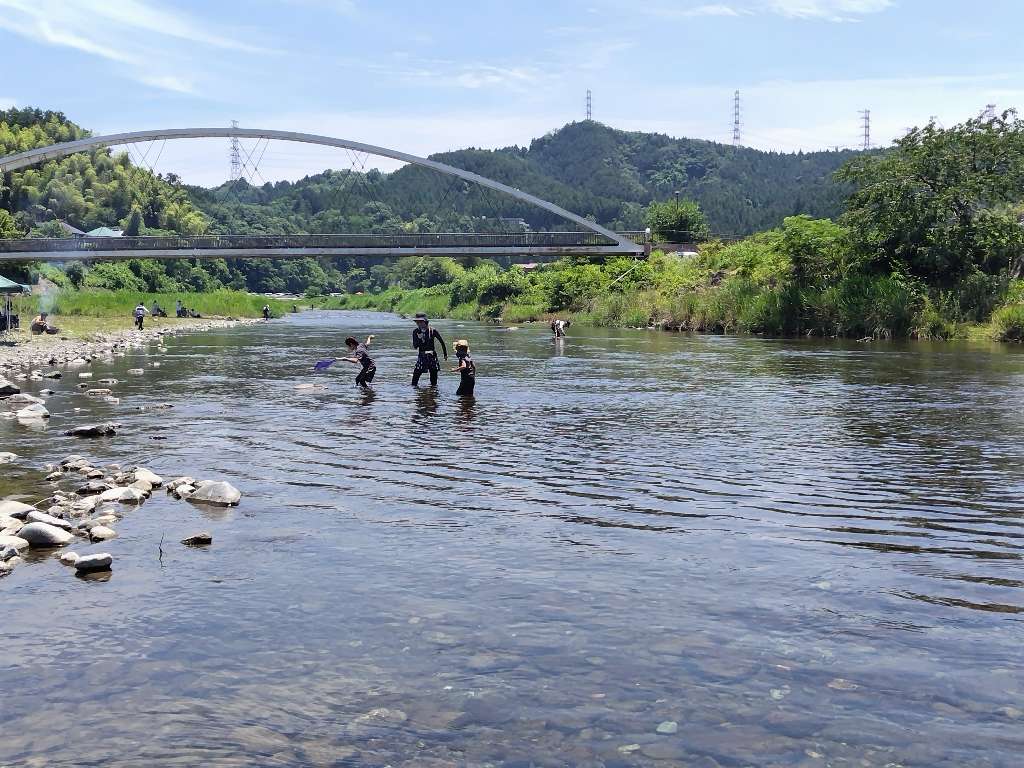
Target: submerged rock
x: 43, y: 535
x: 101, y: 561
x: 667, y: 728
x: 106, y: 429
x: 198, y: 540
x: 220, y: 493
x: 34, y: 411
x: 122, y: 496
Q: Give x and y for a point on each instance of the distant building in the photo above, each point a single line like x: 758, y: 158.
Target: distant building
x: 104, y: 232
x: 71, y: 231
x: 515, y: 223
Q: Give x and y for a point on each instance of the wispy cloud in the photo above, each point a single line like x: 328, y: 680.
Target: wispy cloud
x: 828, y: 10
x: 147, y: 40
x: 714, y: 9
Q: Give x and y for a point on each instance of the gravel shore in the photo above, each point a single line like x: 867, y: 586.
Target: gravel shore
x: 24, y: 352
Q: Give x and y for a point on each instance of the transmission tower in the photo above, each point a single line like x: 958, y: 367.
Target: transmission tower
x: 590, y: 103
x: 236, y: 156
x: 865, y: 116
x: 736, y: 119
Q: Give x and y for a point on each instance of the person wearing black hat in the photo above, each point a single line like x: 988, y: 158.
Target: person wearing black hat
x: 423, y: 339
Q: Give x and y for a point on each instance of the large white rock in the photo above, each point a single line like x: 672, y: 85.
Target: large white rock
x: 100, y: 561
x: 15, y: 509
x: 221, y: 493
x: 122, y: 496
x: 22, y: 400
x: 151, y: 477
x: 6, y: 457
x: 13, y: 541
x: 43, y: 535
x: 35, y: 516
x: 34, y: 411
x: 69, y: 558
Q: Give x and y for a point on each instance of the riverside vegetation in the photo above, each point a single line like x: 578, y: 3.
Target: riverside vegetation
x: 928, y: 244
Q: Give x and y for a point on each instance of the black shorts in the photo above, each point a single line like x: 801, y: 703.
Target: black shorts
x: 366, y: 375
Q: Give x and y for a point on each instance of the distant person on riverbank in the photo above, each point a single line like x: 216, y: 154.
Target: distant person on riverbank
x: 157, y: 311
x: 179, y: 309
x: 466, y: 368
x: 558, y: 327
x: 423, y: 339
x: 361, y: 356
x: 266, y: 311
x: 140, y: 315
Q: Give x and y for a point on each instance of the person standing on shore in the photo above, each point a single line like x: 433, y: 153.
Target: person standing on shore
x: 359, y: 354
x: 423, y: 339
x: 466, y: 367
x: 140, y: 315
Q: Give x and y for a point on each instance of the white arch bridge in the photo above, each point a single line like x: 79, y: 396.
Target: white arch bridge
x: 595, y: 240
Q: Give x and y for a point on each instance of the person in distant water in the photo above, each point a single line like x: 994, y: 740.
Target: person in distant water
x: 558, y: 327
x: 423, y: 339
x: 179, y: 309
x: 140, y: 315
x: 361, y: 356
x: 266, y: 311
x: 466, y: 367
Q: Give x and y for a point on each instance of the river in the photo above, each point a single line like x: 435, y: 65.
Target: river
x: 780, y: 553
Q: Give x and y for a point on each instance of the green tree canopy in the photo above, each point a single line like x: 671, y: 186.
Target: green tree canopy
x: 940, y: 203
x: 676, y: 220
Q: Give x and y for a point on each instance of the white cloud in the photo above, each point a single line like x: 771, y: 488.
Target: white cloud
x: 154, y: 46
x: 713, y: 10
x: 828, y: 10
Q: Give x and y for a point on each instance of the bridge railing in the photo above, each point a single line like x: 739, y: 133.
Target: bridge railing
x: 421, y: 241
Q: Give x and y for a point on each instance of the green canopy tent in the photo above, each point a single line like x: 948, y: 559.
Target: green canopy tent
x: 9, y: 288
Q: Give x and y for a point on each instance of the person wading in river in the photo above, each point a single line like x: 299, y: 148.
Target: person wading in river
x: 423, y: 339
x: 360, y: 356
x: 466, y: 367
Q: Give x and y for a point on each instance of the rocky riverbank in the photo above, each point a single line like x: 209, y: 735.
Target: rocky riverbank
x: 23, y: 352
x: 84, y: 498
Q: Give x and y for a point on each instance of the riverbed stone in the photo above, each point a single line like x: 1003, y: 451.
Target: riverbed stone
x: 7, y: 551
x: 136, y: 371
x: 44, y: 535
x: 35, y: 516
x: 100, y: 561
x: 22, y: 400
x: 6, y: 457
x: 93, y: 487
x: 8, y: 388
x: 202, y: 539
x: 108, y: 382
x: 184, y: 491
x: 102, y: 533
x: 122, y: 496
x: 141, y: 473
x: 34, y: 411
x: 667, y: 728
x: 218, y: 493
x: 16, y: 509
x: 107, y: 429
x: 98, y: 392
x: 69, y: 558
x: 184, y: 480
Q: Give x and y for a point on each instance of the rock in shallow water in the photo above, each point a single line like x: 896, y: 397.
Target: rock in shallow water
x: 6, y: 457
x: 101, y: 561
x: 198, y: 540
x: 102, y: 533
x: 93, y: 430
x: 69, y: 558
x: 7, y: 388
x: 122, y: 496
x: 222, y: 494
x: 43, y: 535
x: 15, y: 509
x: 35, y: 516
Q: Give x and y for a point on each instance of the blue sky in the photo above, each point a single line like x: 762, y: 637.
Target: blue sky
x: 426, y: 77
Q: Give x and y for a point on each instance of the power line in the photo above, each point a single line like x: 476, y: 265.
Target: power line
x: 590, y: 113
x: 866, y: 120
x: 736, y: 119
x: 236, y: 157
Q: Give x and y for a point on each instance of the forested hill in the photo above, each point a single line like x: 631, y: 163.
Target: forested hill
x: 587, y: 167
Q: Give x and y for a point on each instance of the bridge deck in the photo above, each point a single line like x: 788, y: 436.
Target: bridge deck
x: 297, y: 246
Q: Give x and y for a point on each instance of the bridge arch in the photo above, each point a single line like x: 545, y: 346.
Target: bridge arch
x: 54, y: 151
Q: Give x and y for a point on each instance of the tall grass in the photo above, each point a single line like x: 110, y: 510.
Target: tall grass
x: 99, y: 303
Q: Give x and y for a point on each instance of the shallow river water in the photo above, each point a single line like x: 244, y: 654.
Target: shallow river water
x: 784, y: 553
